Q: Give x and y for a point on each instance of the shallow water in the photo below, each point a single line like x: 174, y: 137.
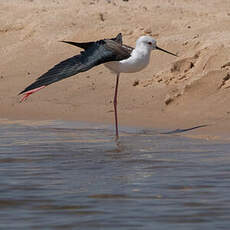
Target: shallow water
x: 60, y: 175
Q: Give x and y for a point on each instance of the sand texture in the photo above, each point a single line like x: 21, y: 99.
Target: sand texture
x: 172, y: 92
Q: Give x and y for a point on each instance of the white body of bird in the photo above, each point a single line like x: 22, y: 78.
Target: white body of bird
x: 138, y: 60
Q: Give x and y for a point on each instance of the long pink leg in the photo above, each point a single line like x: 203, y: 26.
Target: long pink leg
x: 28, y: 93
x: 115, y: 106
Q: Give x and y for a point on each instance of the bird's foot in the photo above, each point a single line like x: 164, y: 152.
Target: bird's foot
x: 28, y: 93
x: 117, y: 141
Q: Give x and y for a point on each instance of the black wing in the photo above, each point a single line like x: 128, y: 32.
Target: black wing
x: 95, y: 53
x: 85, y: 45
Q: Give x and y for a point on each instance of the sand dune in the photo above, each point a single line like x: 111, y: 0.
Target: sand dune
x: 191, y: 90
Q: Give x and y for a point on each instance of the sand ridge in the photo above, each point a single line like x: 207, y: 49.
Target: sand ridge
x: 191, y: 90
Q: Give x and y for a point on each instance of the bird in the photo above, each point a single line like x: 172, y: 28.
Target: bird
x: 116, y: 56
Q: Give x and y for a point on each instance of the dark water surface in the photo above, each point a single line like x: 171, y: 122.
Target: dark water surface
x: 63, y: 175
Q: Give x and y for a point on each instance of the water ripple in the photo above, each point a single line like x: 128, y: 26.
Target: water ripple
x: 63, y: 175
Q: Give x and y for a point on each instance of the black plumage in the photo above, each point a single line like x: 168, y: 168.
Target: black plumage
x: 95, y: 53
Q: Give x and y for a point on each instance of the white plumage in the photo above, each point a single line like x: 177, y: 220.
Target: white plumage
x: 139, y: 58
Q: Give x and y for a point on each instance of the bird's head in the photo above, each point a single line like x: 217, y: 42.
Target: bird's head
x: 150, y: 44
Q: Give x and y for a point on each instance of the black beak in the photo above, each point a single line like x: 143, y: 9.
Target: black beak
x: 158, y: 48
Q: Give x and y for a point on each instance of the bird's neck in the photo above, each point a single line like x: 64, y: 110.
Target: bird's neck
x: 139, y: 60
x: 142, y: 52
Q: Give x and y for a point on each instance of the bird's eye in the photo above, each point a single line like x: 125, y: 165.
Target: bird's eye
x: 150, y: 43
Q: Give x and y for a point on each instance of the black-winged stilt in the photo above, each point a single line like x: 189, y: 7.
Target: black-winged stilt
x: 116, y: 56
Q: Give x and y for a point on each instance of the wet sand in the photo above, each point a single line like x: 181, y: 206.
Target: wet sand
x: 171, y: 93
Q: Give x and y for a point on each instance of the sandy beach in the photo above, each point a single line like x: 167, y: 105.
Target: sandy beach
x: 172, y: 92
